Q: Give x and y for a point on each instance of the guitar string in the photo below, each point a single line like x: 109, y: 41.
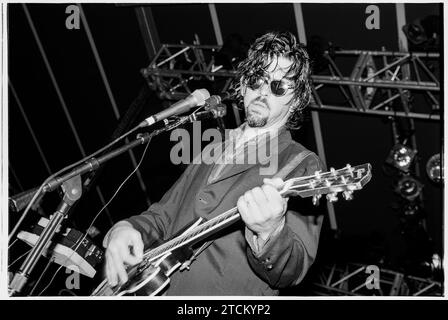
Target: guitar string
x: 185, y: 237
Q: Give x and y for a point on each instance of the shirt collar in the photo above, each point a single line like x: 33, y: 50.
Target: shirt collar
x: 239, y: 137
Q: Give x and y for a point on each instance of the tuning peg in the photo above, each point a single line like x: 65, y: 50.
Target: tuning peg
x: 332, y: 197
x: 349, y: 169
x: 317, y: 174
x: 316, y: 199
x: 348, y: 195
x: 333, y: 171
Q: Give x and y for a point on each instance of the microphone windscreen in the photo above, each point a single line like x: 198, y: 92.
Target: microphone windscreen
x: 201, y: 95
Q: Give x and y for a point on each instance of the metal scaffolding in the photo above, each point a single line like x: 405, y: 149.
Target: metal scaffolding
x: 380, y: 83
x: 354, y: 279
x: 377, y: 83
x: 371, y: 83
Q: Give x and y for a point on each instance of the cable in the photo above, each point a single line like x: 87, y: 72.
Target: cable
x: 41, y: 276
x: 118, y: 189
x: 52, y: 259
x: 51, y: 281
x: 101, y: 210
x: 18, y: 258
x: 12, y: 244
x: 113, y: 196
x: 39, y: 191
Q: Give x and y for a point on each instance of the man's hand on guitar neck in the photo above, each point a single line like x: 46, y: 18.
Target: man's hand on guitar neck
x: 263, y: 209
x: 124, y: 245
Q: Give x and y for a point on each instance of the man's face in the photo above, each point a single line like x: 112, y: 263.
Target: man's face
x: 263, y: 108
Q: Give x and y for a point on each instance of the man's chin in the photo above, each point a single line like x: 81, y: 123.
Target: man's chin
x: 256, y: 122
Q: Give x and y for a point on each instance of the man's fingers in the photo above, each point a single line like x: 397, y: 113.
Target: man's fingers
x: 117, y: 263
x: 125, y: 246
x: 273, y: 196
x: 259, y: 196
x: 256, y: 212
x: 244, y: 210
x: 277, y: 183
x: 125, y: 255
x: 111, y: 273
x: 137, y: 245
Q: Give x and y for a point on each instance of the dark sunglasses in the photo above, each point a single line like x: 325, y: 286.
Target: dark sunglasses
x: 278, y: 87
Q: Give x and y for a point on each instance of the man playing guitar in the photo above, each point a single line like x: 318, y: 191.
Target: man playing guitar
x: 275, y: 245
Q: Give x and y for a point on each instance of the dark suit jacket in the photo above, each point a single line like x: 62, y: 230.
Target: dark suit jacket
x: 229, y: 266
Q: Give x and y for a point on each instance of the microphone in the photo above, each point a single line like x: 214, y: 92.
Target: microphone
x: 216, y: 99
x: 197, y: 98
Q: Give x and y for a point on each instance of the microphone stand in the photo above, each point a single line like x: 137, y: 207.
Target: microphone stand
x: 72, y: 187
x: 72, y: 192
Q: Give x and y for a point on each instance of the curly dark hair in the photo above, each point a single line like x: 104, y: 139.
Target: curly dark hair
x: 260, y: 54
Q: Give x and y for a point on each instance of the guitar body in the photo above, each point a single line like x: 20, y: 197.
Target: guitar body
x: 147, y: 278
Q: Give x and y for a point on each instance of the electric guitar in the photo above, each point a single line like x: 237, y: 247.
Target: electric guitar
x: 152, y: 274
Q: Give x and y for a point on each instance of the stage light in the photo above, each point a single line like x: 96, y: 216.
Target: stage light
x: 411, y: 210
x: 423, y: 30
x: 434, y: 168
x: 415, y: 32
x: 409, y: 188
x: 401, y: 157
x: 433, y: 266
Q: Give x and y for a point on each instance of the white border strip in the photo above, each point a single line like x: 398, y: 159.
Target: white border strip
x: 4, y: 157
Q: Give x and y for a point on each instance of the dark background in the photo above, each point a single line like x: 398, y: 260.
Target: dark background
x: 369, y: 228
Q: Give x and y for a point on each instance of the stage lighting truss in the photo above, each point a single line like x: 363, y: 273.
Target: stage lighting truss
x: 377, y: 82
x: 176, y: 67
x: 352, y: 279
x: 382, y: 83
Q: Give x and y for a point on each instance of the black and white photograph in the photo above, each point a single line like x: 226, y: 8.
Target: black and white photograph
x: 223, y: 150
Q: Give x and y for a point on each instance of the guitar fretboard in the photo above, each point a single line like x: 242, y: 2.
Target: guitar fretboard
x: 334, y: 181
x: 200, y: 231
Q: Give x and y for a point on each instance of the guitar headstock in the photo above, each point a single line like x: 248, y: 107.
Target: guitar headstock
x: 345, y: 180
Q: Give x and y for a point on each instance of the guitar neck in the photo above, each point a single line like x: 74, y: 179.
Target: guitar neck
x: 196, y: 234
x: 345, y: 180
